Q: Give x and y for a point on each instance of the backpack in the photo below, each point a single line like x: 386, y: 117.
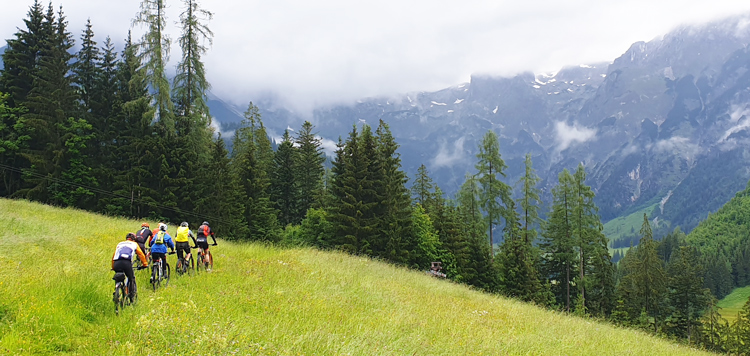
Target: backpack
x: 159, y: 239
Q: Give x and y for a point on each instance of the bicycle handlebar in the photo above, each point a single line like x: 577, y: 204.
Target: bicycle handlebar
x: 142, y: 267
x: 172, y: 253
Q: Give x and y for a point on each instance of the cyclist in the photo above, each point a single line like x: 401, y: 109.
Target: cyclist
x: 204, y: 231
x: 181, y: 241
x: 143, y: 235
x: 122, y: 260
x: 159, y: 244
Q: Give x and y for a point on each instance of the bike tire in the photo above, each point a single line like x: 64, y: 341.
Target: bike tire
x: 118, y: 296
x: 166, y: 278
x: 155, y: 276
x: 199, y: 263
x: 210, y: 263
x: 191, y: 266
x: 179, y: 268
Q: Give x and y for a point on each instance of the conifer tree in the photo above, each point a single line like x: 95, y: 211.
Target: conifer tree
x: 558, y: 242
x: 252, y: 171
x: 58, y: 140
x: 395, y: 213
x: 646, y: 280
x: 190, y: 84
x: 153, y: 52
x: 21, y: 57
x: 14, y: 138
x: 496, y: 195
x: 87, y: 70
x: 284, y: 190
x: 423, y: 187
x: 687, y: 297
x: 310, y: 170
x: 224, y: 196
x: 136, y: 150
x: 476, y: 268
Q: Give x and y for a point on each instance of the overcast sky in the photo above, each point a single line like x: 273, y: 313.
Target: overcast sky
x: 336, y: 51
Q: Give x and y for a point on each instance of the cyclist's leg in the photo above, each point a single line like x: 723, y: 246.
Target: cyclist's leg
x: 126, y: 266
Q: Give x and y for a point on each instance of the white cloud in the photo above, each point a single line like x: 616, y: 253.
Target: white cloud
x: 330, y: 51
x: 216, y: 126
x: 448, y: 156
x: 329, y: 146
x: 570, y: 134
x: 678, y: 145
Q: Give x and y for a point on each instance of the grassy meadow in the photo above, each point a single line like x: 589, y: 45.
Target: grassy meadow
x: 621, y: 226
x: 733, y: 303
x: 56, y: 291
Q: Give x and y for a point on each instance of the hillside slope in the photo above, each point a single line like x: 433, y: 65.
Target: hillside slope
x: 55, y: 297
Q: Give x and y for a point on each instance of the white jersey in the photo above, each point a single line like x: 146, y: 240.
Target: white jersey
x: 126, y: 250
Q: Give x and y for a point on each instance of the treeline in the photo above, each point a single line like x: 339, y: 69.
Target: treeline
x: 108, y: 132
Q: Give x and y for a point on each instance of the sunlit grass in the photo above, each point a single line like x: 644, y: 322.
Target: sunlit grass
x: 733, y: 303
x: 55, y: 297
x: 623, y: 225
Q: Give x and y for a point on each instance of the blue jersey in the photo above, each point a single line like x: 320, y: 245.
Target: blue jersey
x: 161, y: 248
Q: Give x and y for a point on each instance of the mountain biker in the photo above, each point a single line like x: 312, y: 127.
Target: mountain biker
x: 159, y: 244
x: 122, y: 260
x: 181, y: 240
x: 203, y: 232
x: 143, y: 235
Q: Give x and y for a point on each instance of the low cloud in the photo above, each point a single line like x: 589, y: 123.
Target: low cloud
x: 678, y: 145
x: 448, y: 156
x: 216, y: 126
x: 567, y: 135
x: 329, y: 146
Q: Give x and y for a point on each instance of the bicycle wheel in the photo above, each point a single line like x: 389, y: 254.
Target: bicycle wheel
x: 190, y: 264
x: 180, y: 267
x: 166, y: 278
x: 199, y: 265
x: 210, y: 263
x: 118, y: 296
x: 155, y: 276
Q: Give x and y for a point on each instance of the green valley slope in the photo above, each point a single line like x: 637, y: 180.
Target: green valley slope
x: 55, y: 297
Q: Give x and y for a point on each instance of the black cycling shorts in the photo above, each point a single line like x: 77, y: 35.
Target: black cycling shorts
x: 180, y: 247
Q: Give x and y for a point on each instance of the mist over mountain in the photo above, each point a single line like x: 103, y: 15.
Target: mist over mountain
x: 665, y: 123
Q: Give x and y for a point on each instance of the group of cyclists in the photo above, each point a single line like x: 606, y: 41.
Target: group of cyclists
x: 158, y: 242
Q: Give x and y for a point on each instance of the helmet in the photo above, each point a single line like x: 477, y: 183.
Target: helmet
x: 184, y: 224
x: 206, y: 223
x: 145, y: 225
x: 130, y: 236
x: 163, y: 227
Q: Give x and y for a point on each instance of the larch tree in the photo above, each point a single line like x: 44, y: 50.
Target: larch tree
x: 153, y: 52
x: 495, y: 194
x: 310, y: 170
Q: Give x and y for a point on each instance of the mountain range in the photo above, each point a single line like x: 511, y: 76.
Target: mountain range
x: 663, y: 126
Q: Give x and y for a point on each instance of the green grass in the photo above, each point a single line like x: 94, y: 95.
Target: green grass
x: 733, y: 303
x: 616, y: 228
x: 55, y: 298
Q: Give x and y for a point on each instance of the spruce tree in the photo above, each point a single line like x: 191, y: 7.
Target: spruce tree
x: 14, y: 137
x: 251, y: 168
x: 284, y: 189
x: 558, y: 244
x: 224, y: 199
x: 687, y: 297
x: 87, y: 70
x: 476, y: 267
x: 395, y: 214
x: 422, y: 188
x: 59, y: 140
x: 310, y: 170
x: 21, y: 57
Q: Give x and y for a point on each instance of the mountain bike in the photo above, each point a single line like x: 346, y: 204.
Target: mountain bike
x: 157, y: 273
x: 186, y: 265
x: 206, y: 263
x: 123, y: 295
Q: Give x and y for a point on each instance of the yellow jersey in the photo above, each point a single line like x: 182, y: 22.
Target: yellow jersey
x: 182, y: 234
